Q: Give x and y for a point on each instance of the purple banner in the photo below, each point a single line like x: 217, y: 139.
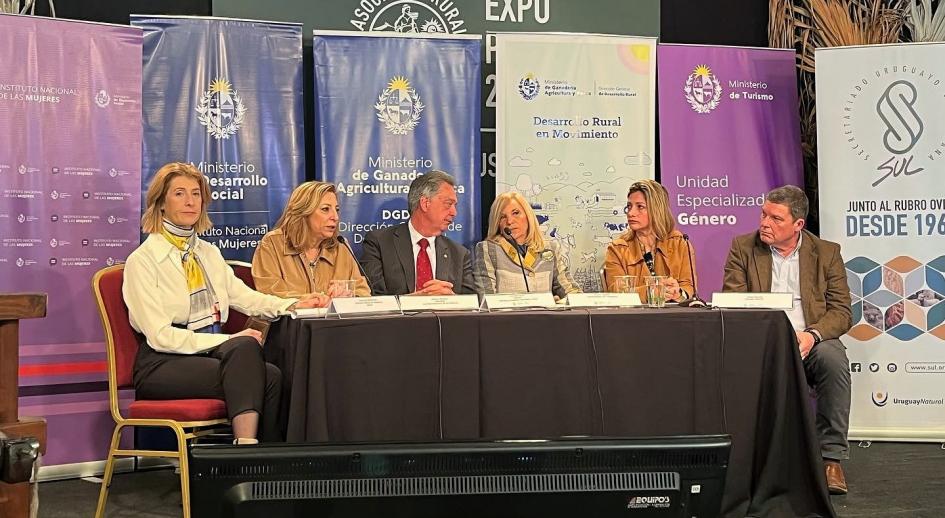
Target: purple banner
x: 70, y: 173
x: 729, y: 132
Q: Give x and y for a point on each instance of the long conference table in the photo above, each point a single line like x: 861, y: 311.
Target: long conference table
x: 545, y: 374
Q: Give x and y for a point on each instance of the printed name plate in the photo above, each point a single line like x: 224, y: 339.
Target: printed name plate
x: 753, y: 300
x: 439, y: 302
x: 309, y: 313
x: 496, y: 301
x: 604, y: 300
x: 363, y: 306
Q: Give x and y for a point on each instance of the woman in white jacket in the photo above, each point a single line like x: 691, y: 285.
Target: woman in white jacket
x: 179, y: 290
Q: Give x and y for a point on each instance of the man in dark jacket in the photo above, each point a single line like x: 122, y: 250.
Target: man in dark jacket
x: 415, y: 257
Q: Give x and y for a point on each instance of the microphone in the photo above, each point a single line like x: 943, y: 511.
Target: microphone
x: 693, y: 301
x: 342, y: 240
x: 507, y: 234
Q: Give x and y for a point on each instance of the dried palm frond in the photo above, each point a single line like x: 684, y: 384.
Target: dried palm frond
x: 836, y: 23
x: 923, y: 23
x: 781, y: 31
x: 811, y: 24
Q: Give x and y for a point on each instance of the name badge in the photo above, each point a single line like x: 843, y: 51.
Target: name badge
x: 740, y: 300
x: 363, y: 306
x: 604, y: 300
x: 439, y: 302
x: 517, y: 301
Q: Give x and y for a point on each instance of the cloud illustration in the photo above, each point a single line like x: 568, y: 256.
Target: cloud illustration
x: 518, y: 161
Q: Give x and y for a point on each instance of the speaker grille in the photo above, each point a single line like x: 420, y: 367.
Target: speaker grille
x: 478, y: 485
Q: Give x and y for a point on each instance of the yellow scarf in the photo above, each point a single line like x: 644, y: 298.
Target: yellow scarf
x: 531, y: 257
x: 192, y: 270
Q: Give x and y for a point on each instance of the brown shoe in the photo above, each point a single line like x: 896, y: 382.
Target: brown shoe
x: 836, y: 482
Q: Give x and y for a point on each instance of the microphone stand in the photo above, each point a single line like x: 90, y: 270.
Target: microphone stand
x: 507, y: 234
x: 693, y: 301
x: 342, y: 240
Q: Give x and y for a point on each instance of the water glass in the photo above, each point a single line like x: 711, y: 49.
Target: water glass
x: 655, y: 291
x: 340, y: 288
x: 625, y: 283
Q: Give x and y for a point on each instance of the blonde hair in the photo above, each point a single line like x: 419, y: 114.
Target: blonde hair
x: 657, y: 208
x: 303, y: 201
x: 153, y: 216
x: 533, y: 238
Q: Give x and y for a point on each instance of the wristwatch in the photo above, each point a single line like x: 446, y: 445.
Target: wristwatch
x: 813, y: 332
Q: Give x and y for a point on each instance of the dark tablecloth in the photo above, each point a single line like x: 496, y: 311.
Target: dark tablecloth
x: 547, y: 374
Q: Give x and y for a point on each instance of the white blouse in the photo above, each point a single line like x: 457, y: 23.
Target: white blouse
x: 155, y: 291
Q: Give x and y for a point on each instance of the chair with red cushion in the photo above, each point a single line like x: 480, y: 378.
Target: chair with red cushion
x: 236, y: 322
x: 188, y: 418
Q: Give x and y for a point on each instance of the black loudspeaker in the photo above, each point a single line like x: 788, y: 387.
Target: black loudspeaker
x: 664, y: 477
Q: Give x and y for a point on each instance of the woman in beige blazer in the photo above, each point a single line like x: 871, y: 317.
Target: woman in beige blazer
x: 651, y: 245
x: 303, y: 253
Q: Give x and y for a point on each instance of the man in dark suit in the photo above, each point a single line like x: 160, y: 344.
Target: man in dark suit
x: 783, y: 257
x: 415, y: 257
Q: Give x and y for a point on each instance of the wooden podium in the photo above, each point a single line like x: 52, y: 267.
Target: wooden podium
x: 15, y: 498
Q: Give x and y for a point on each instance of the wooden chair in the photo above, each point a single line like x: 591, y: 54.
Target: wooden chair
x: 187, y: 418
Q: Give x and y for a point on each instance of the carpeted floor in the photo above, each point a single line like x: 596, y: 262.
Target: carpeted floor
x: 895, y: 480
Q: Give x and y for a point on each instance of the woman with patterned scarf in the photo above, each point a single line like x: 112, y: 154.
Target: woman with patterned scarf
x: 179, y: 290
x: 515, y: 257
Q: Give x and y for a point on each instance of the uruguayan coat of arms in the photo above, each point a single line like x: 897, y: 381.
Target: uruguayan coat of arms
x: 703, y: 91
x: 529, y: 87
x: 221, y: 109
x: 399, y: 106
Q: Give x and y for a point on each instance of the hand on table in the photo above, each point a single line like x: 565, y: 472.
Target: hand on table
x: 671, y: 289
x: 435, y: 287
x: 313, y: 300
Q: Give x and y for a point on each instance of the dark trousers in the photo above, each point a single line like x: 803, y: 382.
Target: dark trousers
x: 828, y: 372
x: 234, y: 372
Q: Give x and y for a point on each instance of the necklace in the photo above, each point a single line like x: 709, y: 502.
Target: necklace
x: 648, y: 259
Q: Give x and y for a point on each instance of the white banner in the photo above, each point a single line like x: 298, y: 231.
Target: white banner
x: 575, y: 126
x: 881, y: 145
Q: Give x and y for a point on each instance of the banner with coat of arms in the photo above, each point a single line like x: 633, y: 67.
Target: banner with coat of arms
x: 390, y: 108
x: 226, y: 96
x: 881, y: 150
x: 575, y: 126
x: 729, y: 133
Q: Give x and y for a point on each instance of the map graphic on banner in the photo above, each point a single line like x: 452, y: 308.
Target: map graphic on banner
x: 575, y: 127
x: 70, y: 175
x: 226, y: 96
x: 729, y: 133
x: 881, y: 142
x: 390, y: 108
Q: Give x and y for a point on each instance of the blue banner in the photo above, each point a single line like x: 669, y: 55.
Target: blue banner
x: 226, y: 95
x: 389, y: 108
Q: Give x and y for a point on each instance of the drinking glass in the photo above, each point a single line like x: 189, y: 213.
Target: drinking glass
x: 625, y: 283
x: 340, y: 288
x: 655, y: 291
